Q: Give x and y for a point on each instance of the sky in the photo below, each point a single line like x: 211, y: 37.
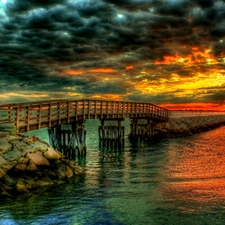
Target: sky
x: 167, y: 52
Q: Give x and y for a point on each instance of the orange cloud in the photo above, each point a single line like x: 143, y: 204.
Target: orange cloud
x: 168, y: 60
x: 129, y: 67
x: 71, y: 72
x: 197, y: 56
x: 114, y: 97
x: 194, y: 106
x: 103, y: 70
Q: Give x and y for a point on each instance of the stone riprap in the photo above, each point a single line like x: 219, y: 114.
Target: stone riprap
x: 185, y: 126
x: 27, y: 163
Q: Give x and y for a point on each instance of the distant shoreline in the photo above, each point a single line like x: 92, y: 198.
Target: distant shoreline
x: 186, y: 126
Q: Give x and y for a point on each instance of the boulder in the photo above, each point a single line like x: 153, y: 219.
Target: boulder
x: 9, y: 181
x: 51, y: 154
x: 28, y: 162
x: 32, y: 168
x: 3, y: 134
x: 20, y: 146
x: 60, y: 169
x: 44, y: 181
x: 22, y: 186
x: 13, y: 155
x: 5, y: 146
x: 38, y: 159
x: 2, y: 161
x: 77, y: 169
x: 10, y: 138
x: 21, y: 167
x: 9, y: 165
x: 2, y: 173
x: 68, y: 172
x: 5, y: 194
x: 23, y: 160
x: 29, y: 140
x: 38, y: 146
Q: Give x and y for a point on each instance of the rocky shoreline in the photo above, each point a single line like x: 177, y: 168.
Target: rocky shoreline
x: 186, y: 126
x: 27, y: 163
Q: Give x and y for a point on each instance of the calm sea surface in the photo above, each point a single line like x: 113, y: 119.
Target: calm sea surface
x: 178, y: 181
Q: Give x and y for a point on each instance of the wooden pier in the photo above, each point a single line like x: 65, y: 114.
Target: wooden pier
x: 25, y: 117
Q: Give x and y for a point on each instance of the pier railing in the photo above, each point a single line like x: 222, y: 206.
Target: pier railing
x: 36, y: 115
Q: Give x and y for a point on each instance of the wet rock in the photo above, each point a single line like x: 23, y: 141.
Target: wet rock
x: 20, y: 146
x: 51, y: 154
x: 11, y: 138
x: 22, y: 186
x: 38, y: 146
x: 32, y: 168
x: 69, y: 172
x: 3, y: 134
x: 181, y: 127
x: 21, y: 167
x: 9, y: 165
x: 2, y: 161
x: 38, y: 159
x: 23, y: 160
x: 44, y: 181
x: 9, y: 181
x: 27, y: 163
x: 5, y: 194
x: 2, y: 173
x: 61, y: 170
x: 29, y: 140
x: 12, y: 155
x: 5, y: 146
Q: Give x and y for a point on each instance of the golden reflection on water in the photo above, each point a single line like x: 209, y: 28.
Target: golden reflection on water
x: 195, y: 172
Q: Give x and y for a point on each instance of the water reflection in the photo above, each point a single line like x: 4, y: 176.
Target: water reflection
x: 195, y: 173
x: 177, y: 182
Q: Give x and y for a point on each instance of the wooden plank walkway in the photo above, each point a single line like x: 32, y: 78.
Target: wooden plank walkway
x: 36, y: 115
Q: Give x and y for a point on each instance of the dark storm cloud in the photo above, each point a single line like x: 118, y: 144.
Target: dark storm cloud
x: 25, y: 5
x: 39, y: 40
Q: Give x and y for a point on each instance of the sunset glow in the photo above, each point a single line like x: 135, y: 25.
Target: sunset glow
x: 169, y: 53
x: 102, y: 70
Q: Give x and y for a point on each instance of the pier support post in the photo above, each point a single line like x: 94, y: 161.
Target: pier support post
x: 70, y: 142
x: 111, y: 137
x: 54, y: 134
x: 79, y: 137
x: 141, y: 129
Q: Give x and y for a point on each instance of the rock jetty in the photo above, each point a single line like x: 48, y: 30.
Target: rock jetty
x: 27, y: 163
x: 185, y: 126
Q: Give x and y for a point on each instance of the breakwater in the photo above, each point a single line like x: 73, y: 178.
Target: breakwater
x: 27, y: 163
x: 186, y: 126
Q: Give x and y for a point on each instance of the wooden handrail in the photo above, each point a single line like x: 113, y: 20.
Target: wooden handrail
x: 35, y: 115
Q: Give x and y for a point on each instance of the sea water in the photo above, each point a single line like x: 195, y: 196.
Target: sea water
x: 179, y: 181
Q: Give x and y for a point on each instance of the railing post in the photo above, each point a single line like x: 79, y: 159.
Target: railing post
x: 17, y: 118
x: 68, y: 111
x: 39, y: 116
x: 28, y: 118
x: 59, y: 113
x: 50, y: 115
x: 95, y: 107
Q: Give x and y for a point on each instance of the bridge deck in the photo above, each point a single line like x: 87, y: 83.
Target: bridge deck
x: 31, y: 116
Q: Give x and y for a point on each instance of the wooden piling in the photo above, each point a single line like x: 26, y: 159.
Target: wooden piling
x: 111, y: 137
x: 71, y: 143
x: 141, y: 131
